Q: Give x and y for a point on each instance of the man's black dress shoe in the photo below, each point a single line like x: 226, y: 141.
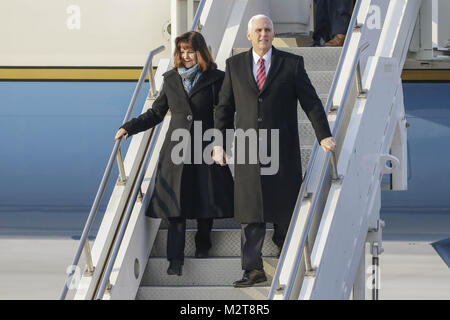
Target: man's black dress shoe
x: 250, y: 278
x: 175, y: 267
x: 201, y: 254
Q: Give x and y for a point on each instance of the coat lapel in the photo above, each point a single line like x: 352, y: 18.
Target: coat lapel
x: 275, y: 64
x: 176, y: 81
x: 249, y: 69
x: 205, y: 80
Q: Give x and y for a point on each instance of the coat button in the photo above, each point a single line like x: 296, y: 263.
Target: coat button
x: 260, y: 100
x: 189, y: 117
x: 260, y: 119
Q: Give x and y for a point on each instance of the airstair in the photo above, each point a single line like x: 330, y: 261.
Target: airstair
x: 337, y: 211
x: 206, y: 278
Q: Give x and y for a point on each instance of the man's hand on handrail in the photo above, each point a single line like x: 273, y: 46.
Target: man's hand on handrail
x: 328, y: 144
x: 121, y: 132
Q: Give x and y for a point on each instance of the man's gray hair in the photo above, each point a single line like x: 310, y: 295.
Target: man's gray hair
x: 258, y: 16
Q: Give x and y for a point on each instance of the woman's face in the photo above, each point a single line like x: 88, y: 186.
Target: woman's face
x: 188, y: 56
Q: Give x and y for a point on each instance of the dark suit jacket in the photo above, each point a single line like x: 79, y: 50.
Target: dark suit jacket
x: 269, y: 198
x: 186, y: 190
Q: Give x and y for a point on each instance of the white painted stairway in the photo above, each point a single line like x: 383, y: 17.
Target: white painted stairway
x: 212, y: 278
x: 372, y: 131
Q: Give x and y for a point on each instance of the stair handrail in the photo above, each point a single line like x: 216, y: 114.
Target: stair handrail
x: 276, y: 278
x: 105, y: 284
x: 116, y: 153
x: 303, y: 250
x: 196, y: 22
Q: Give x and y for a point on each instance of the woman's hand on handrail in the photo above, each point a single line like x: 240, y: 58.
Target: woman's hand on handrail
x: 121, y: 132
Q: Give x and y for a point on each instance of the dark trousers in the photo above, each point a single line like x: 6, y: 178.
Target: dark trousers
x: 252, y: 240
x: 331, y: 18
x: 177, y: 235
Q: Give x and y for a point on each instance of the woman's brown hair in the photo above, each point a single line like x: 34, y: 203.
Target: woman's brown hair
x: 196, y: 42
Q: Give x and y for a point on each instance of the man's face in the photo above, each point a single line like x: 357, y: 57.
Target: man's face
x: 261, y: 35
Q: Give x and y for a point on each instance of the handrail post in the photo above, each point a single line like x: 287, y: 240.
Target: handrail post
x: 90, y: 265
x: 152, y: 93
x: 122, y: 175
x: 108, y: 286
x: 361, y: 92
x: 196, y: 23
x: 334, y: 165
x: 140, y: 195
x: 309, y: 269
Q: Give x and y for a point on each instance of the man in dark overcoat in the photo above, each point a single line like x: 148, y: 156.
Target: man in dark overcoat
x: 260, y: 91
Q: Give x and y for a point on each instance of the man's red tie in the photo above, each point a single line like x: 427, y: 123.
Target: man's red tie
x: 261, y: 74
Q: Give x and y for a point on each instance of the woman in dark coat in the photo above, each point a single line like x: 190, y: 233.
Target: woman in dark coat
x: 191, y: 188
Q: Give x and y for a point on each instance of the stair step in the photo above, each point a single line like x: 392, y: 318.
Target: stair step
x: 306, y: 132
x: 302, y: 115
x: 321, y: 81
x: 316, y: 59
x: 226, y: 243
x: 202, y: 293
x: 305, y: 153
x: 218, y: 224
x: 201, y: 272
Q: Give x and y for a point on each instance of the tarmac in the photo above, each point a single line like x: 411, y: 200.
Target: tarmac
x: 33, y: 264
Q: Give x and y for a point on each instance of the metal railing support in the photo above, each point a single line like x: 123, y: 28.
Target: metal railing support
x: 309, y: 269
x: 152, y: 93
x: 90, y: 266
x: 122, y: 175
x: 361, y: 92
x: 334, y: 164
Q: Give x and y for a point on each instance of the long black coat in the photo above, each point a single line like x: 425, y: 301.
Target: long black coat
x: 269, y: 198
x: 186, y: 190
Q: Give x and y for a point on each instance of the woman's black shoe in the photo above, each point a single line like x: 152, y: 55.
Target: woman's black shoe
x: 175, y: 267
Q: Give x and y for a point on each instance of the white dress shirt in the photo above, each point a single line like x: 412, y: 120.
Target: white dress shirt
x: 267, y: 59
